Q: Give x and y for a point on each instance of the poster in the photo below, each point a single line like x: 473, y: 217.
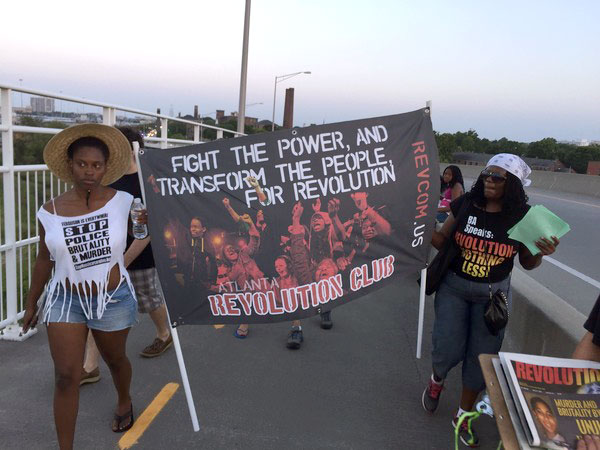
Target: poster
x: 347, y: 207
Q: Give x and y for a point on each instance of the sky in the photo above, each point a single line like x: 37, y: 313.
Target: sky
x: 524, y: 70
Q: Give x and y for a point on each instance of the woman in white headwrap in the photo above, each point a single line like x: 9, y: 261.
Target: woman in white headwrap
x: 484, y: 263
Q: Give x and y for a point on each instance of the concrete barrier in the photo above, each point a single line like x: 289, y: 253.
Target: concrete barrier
x: 554, y: 181
x: 541, y: 323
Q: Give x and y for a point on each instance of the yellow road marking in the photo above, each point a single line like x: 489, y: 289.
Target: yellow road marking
x: 131, y: 437
x: 218, y: 327
x: 567, y: 200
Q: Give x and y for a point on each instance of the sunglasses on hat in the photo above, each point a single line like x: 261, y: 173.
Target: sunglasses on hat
x: 495, y: 176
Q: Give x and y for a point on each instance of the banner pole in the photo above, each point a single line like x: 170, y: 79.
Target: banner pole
x: 174, y: 334
x: 184, y: 378
x: 422, y: 291
x: 421, y: 311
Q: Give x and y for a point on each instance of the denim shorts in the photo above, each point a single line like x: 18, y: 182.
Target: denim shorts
x: 459, y: 330
x: 120, y: 312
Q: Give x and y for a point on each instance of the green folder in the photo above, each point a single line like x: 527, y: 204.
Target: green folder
x: 537, y: 223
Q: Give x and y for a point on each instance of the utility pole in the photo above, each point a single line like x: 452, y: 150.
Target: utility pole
x: 244, y: 76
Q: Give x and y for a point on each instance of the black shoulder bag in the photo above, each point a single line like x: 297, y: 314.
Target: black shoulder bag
x: 439, y: 266
x: 496, y: 310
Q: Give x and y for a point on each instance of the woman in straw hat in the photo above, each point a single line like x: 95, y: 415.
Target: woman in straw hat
x: 83, y: 237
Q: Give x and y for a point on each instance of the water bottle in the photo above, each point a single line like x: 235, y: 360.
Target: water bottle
x: 140, y: 230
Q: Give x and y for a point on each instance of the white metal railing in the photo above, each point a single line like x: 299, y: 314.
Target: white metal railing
x: 26, y: 187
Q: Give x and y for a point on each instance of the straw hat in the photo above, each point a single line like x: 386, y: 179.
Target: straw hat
x: 55, y: 152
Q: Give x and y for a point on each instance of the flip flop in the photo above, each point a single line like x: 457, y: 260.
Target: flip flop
x: 120, y: 419
x: 239, y: 335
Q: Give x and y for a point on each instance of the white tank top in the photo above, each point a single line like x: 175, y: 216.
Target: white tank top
x: 85, y: 248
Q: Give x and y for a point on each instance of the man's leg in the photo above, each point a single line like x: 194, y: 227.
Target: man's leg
x: 159, y: 317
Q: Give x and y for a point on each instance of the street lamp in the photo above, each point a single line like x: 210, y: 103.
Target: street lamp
x: 21, y: 86
x: 279, y: 79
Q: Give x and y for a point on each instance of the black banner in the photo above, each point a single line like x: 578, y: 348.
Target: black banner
x: 346, y: 208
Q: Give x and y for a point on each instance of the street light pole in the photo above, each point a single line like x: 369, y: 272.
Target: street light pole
x: 21, y: 85
x: 279, y: 79
x: 244, y: 76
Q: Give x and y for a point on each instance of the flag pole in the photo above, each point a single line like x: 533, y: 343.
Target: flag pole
x: 174, y: 334
x: 422, y: 291
x: 421, y: 311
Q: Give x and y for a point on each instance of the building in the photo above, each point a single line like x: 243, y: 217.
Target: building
x: 42, y: 105
x: 481, y: 159
x: 593, y: 168
x: 222, y: 118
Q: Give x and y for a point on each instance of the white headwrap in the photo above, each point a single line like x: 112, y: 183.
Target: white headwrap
x: 513, y: 164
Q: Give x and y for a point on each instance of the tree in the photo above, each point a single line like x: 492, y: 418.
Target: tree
x: 545, y: 149
x: 446, y: 144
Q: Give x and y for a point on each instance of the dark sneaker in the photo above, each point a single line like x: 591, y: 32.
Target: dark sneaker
x: 467, y: 434
x: 295, y: 338
x: 326, y: 322
x: 431, y: 396
x: 89, y: 377
x: 157, y: 348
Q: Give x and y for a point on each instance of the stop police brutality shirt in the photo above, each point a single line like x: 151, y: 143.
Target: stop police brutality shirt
x: 484, y: 246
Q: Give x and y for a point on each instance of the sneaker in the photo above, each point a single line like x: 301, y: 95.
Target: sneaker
x: 89, y: 377
x: 157, y: 348
x: 295, y: 338
x: 326, y: 322
x: 467, y: 434
x: 431, y: 396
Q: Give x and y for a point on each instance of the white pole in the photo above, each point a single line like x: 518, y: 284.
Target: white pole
x: 176, y: 343
x: 244, y: 76
x: 422, y: 292
x: 274, y: 96
x: 184, y: 378
x: 421, y: 311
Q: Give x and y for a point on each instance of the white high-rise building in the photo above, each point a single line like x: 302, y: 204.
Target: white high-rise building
x: 42, y: 105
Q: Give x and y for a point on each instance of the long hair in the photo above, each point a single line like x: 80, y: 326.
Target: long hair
x: 456, y: 178
x: 514, y: 199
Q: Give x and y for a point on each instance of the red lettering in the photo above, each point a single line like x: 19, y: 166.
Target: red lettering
x: 365, y: 276
x: 529, y: 369
x: 216, y: 305
x: 232, y: 310
x: 314, y: 294
x: 389, y: 266
x: 355, y: 281
x: 289, y: 300
x: 324, y: 292
x: 538, y: 373
x: 273, y: 308
x: 420, y: 147
x: 520, y: 370
x: 245, y: 300
x: 548, y: 375
x: 567, y: 376
x: 421, y: 160
x: 556, y: 376
x: 425, y: 183
x: 336, y: 286
x: 377, y: 268
x: 423, y: 174
x: 303, y: 292
x: 260, y: 303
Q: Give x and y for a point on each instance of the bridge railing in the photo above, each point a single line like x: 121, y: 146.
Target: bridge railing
x: 24, y: 188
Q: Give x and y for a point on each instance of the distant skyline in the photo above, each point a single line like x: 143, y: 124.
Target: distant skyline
x: 520, y: 70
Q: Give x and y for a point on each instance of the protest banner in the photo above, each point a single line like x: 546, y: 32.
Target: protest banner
x: 348, y: 207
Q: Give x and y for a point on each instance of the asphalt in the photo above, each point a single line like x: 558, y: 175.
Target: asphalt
x: 356, y: 386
